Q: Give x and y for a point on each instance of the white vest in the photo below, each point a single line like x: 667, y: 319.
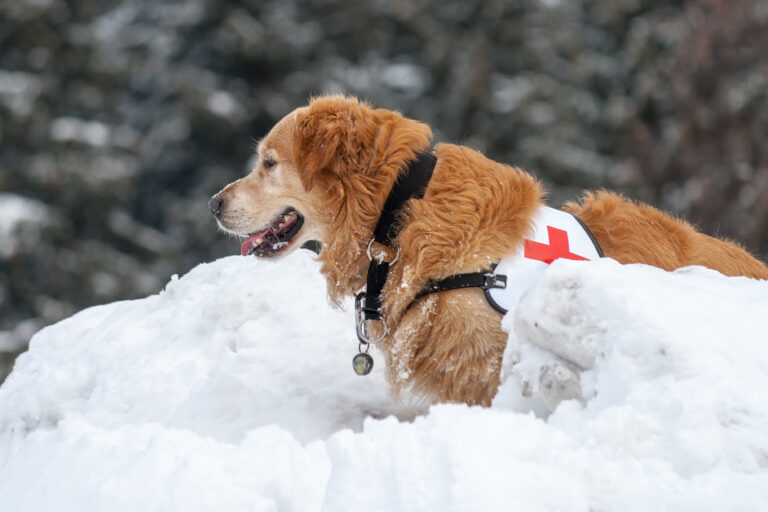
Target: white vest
x: 556, y: 235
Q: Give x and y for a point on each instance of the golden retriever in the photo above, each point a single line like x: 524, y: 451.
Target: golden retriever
x: 324, y: 173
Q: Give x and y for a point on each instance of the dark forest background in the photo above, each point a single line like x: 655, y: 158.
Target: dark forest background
x: 120, y: 118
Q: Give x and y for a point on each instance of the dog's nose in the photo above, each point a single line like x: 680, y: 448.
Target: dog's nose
x: 215, y: 205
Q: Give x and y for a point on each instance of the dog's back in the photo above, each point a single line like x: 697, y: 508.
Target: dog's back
x: 630, y: 232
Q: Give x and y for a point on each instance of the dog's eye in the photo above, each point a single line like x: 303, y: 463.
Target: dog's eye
x: 269, y: 162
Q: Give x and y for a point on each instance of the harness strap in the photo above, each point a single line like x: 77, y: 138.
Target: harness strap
x: 489, y: 280
x: 411, y: 185
x: 484, y: 280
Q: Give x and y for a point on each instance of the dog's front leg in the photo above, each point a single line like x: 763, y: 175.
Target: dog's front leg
x: 448, y: 347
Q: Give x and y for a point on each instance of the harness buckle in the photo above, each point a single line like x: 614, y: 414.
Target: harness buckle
x: 494, y: 281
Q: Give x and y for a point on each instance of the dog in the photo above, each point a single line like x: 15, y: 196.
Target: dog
x: 324, y: 173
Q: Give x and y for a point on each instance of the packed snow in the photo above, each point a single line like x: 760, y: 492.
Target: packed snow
x: 233, y: 390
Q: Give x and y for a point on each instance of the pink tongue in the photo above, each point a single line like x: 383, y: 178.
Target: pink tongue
x: 248, y: 245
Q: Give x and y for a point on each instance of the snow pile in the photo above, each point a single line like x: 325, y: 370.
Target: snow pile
x: 233, y: 390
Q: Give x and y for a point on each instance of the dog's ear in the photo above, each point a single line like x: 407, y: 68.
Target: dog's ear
x: 324, y: 142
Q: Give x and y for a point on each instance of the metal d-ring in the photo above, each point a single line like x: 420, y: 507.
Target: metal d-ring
x: 370, y: 257
x: 362, y: 332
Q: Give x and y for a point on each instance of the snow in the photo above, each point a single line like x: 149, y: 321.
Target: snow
x: 222, y: 103
x: 71, y: 129
x: 20, y: 220
x: 19, y: 91
x: 233, y: 390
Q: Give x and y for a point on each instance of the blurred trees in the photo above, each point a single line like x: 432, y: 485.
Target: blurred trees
x: 119, y: 118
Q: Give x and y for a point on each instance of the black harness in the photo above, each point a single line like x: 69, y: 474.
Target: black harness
x: 410, y: 185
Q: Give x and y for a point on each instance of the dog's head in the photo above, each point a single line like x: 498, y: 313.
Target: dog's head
x: 270, y: 207
x: 323, y: 173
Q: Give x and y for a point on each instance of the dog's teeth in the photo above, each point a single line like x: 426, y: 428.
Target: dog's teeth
x: 259, y: 241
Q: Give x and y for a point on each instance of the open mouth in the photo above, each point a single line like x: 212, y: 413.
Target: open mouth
x: 269, y: 241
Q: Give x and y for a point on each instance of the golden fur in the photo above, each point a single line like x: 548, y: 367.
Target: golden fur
x: 336, y: 161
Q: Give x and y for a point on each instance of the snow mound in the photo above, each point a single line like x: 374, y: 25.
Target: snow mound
x: 233, y: 390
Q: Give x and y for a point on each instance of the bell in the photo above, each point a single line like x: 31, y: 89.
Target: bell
x: 362, y: 364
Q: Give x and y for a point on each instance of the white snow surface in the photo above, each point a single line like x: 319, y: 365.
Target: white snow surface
x: 233, y: 390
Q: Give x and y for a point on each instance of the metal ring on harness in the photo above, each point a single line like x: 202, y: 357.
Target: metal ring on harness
x: 362, y: 332
x: 370, y: 257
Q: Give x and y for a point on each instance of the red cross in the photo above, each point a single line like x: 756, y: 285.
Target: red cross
x: 557, y: 248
